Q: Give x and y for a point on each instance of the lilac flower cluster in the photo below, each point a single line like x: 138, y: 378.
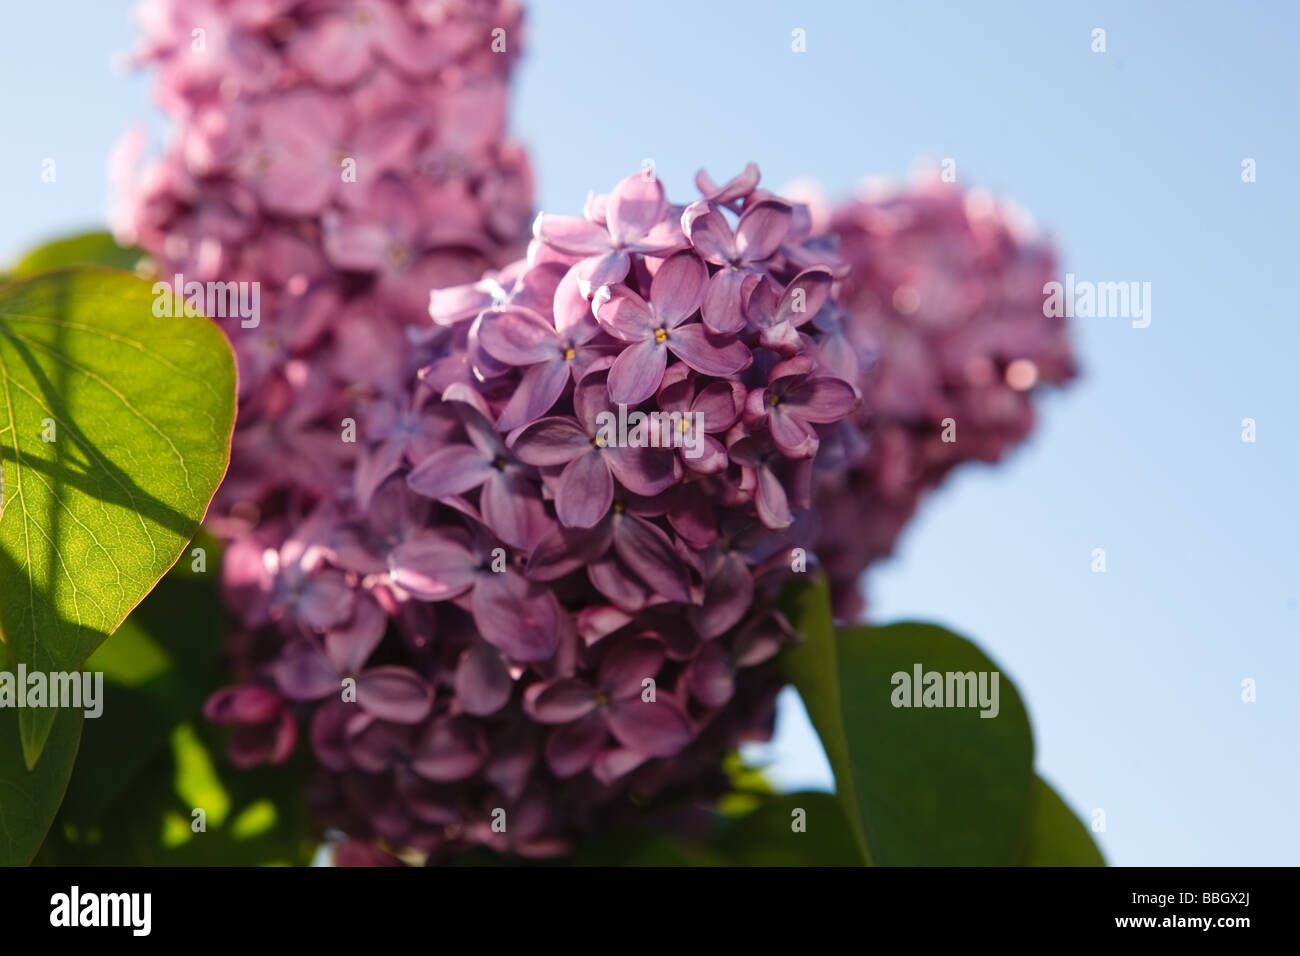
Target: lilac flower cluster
x: 345, y: 156
x: 947, y: 338
x: 518, y: 608
x: 512, y: 572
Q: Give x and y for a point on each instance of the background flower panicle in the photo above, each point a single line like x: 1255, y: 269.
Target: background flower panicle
x: 347, y: 156
x: 943, y: 290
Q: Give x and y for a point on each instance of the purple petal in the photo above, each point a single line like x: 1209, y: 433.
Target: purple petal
x: 623, y: 313
x: 518, y: 336
x: 483, y: 683
x: 644, y: 471
x: 637, y: 372
x: 517, y: 616
x: 394, y: 694
x: 709, y: 233
x: 585, y: 491
x: 629, y: 663
x: 615, y: 763
x: 551, y: 441
x: 433, y: 569
x: 710, y: 676
x: 374, y: 467
x: 820, y: 400
x: 512, y: 507
x: 738, y: 188
x: 536, y: 394
x: 678, y: 287
x: 349, y: 647
x: 450, y: 749
x: 452, y: 470
x: 722, y: 300
x: 728, y: 594
x: 303, y: 672
x: 326, y: 601
x: 762, y: 228
x: 619, y: 586
x: 813, y: 288
x: 635, y: 206
x: 649, y: 552
x: 720, y: 403
x: 658, y: 729
x: 571, y: 234
x: 243, y: 704
x: 708, y: 354
x: 566, y: 549
x: 560, y: 702
x: 793, y: 436
x: 573, y: 747
x: 772, y: 504
x: 604, y: 269
x: 590, y: 398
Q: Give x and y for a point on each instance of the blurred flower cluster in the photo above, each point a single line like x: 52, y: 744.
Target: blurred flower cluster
x: 947, y: 339
x: 506, y: 536
x: 346, y: 156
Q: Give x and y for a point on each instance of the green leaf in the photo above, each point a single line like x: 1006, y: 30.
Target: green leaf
x: 1056, y: 836
x: 936, y: 785
x: 253, y: 817
x: 158, y: 669
x: 88, y: 249
x: 929, y: 785
x: 29, y: 798
x: 790, y: 829
x: 155, y: 756
x: 813, y: 667
x: 115, y: 430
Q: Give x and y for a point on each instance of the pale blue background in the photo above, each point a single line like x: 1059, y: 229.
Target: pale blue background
x: 1132, y: 160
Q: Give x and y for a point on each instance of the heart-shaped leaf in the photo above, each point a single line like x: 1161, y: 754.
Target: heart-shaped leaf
x: 115, y: 430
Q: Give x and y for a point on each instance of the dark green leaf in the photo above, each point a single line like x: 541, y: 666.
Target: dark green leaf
x: 29, y: 798
x: 929, y: 784
x: 1056, y: 836
x: 791, y: 829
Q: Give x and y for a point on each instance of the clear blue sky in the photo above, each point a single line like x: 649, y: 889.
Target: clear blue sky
x: 1131, y: 159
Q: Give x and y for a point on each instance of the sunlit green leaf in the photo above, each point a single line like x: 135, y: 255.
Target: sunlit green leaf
x: 114, y: 433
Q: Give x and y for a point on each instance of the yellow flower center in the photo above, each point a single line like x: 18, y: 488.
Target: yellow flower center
x: 661, y: 336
